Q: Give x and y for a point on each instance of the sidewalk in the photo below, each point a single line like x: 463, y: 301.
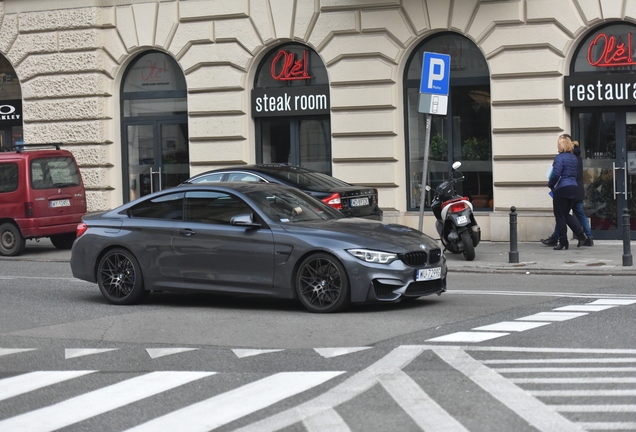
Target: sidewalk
x: 604, y: 258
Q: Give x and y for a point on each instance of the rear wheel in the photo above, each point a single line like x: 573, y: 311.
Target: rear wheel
x: 63, y: 241
x: 11, y: 241
x: 322, y: 284
x: 119, y: 277
x: 469, y: 248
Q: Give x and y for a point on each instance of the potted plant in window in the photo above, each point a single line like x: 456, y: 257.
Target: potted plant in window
x: 477, y: 149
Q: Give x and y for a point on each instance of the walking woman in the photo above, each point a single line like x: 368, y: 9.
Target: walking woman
x: 564, y: 191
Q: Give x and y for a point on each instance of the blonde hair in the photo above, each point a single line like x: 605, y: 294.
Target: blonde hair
x: 565, y: 144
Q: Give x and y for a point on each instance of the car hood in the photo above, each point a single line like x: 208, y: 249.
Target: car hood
x: 368, y: 233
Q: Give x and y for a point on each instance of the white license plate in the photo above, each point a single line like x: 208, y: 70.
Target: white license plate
x: 428, y: 274
x: 60, y: 203
x: 359, y: 202
x: 462, y: 219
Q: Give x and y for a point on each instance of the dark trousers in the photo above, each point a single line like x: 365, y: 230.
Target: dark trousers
x: 562, y: 208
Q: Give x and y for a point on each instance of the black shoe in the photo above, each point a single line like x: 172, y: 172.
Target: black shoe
x: 550, y: 241
x: 582, y: 240
x: 588, y: 242
x: 563, y: 244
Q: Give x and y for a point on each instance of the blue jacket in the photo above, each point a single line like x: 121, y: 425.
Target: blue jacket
x: 564, y: 167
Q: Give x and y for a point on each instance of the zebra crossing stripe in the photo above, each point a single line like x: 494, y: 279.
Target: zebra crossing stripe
x: 7, y: 351
x: 326, y: 420
x: 227, y: 407
x: 97, y: 402
x: 17, y: 385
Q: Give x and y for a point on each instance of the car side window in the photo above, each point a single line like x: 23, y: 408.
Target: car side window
x: 8, y: 177
x: 213, y: 207
x: 244, y: 177
x: 162, y: 207
x: 216, y: 177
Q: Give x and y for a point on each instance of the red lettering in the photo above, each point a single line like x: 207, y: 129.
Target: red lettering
x: 286, y: 67
x: 154, y: 73
x: 613, y: 51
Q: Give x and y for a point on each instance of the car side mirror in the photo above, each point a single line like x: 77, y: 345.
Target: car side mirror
x: 246, y: 220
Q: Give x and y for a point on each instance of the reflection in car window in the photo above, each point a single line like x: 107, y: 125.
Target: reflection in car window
x: 307, y: 180
x: 213, y: 207
x: 216, y: 177
x: 8, y: 177
x: 245, y: 177
x: 289, y: 205
x: 54, y: 172
x: 162, y: 207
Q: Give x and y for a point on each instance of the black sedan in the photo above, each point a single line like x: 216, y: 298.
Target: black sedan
x: 350, y: 200
x: 252, y: 238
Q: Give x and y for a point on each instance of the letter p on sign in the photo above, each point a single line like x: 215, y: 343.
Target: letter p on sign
x: 435, y: 74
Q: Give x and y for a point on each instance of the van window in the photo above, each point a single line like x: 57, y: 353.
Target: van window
x: 54, y: 172
x: 8, y: 177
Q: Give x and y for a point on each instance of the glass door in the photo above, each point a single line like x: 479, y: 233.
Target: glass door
x: 608, y: 141
x: 157, y: 157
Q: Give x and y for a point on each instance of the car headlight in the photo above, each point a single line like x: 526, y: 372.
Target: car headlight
x: 372, y: 256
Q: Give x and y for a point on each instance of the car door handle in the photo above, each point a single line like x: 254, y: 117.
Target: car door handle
x: 186, y: 232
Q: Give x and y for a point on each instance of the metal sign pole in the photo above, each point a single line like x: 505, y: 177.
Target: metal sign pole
x: 427, y: 139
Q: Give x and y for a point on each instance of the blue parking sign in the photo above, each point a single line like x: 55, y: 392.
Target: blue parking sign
x: 435, y: 74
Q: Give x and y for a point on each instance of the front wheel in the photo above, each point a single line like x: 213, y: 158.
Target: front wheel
x: 119, y: 277
x: 11, y: 241
x: 469, y: 248
x: 322, y: 284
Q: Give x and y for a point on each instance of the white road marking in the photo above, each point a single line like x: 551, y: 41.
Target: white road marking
x: 562, y: 360
x: 468, y: 337
x: 98, y: 402
x: 162, y: 352
x: 326, y: 420
x: 622, y: 426
x: 601, y: 297
x: 616, y: 302
x: 512, y: 326
x: 565, y: 370
x: 526, y: 406
x: 20, y: 384
x: 552, y: 316
x: 7, y: 351
x: 604, y: 351
x: 584, y: 308
x: 227, y: 407
x: 581, y: 393
x: 242, y: 353
x: 79, y: 352
x: 335, y: 352
x: 426, y: 413
x: 587, y: 380
x: 594, y: 408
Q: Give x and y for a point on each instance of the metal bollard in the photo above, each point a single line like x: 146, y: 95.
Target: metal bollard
x: 627, y: 254
x: 513, y: 255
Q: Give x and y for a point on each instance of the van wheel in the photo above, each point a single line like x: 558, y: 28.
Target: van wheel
x: 11, y: 240
x: 63, y: 241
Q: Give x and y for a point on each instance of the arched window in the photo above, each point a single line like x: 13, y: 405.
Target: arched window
x: 154, y: 125
x: 463, y: 134
x: 10, y: 106
x: 290, y: 104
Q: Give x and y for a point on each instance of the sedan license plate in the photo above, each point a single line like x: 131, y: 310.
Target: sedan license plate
x: 360, y: 202
x: 428, y: 274
x: 60, y: 203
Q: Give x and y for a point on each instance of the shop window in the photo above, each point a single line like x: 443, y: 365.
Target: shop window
x: 290, y: 105
x: 10, y: 106
x: 463, y: 134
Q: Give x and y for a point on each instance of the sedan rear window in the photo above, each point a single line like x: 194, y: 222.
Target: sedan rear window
x: 308, y: 180
x: 54, y: 172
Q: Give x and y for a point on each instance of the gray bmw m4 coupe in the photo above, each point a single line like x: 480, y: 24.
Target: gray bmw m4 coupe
x: 249, y: 238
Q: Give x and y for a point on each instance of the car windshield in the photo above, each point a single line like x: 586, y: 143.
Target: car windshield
x: 307, y: 180
x: 289, y: 205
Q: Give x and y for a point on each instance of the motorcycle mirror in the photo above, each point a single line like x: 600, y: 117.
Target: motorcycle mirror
x: 427, y: 188
x: 456, y: 165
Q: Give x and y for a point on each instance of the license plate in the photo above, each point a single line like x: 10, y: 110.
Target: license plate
x: 60, y: 203
x: 428, y: 274
x: 359, y: 202
x: 462, y: 219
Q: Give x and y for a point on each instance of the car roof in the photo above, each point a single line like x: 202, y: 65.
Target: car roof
x: 261, y: 168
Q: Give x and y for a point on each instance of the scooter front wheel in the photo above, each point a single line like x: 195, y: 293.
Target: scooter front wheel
x: 469, y: 248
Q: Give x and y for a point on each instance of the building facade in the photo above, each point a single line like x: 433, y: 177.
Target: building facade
x: 147, y: 93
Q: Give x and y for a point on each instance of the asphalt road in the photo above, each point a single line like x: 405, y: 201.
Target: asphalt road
x: 477, y: 358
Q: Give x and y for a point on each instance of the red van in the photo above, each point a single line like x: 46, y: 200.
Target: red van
x: 41, y: 195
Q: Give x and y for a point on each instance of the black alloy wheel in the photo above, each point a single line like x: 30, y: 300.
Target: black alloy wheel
x: 119, y: 277
x: 322, y: 284
x: 11, y: 241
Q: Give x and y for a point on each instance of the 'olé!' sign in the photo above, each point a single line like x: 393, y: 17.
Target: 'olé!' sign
x: 289, y: 89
